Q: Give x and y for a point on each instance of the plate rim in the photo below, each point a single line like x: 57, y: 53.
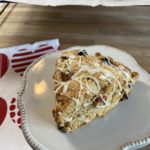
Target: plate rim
x: 26, y: 132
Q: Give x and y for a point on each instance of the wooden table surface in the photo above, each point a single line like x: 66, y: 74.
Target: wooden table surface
x: 127, y: 28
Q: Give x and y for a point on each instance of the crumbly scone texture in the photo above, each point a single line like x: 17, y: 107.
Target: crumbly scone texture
x: 88, y: 86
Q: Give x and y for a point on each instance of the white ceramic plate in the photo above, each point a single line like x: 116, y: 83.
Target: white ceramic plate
x: 129, y: 121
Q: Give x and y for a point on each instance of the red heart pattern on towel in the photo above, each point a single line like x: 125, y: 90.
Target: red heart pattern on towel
x: 3, y: 110
x: 4, y: 64
x: 25, y: 57
x: 15, y: 113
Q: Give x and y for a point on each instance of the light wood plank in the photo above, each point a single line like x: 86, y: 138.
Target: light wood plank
x: 126, y: 28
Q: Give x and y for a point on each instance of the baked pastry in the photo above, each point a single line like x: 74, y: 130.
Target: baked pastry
x: 88, y: 86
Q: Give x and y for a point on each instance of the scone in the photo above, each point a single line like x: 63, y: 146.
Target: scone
x: 88, y: 86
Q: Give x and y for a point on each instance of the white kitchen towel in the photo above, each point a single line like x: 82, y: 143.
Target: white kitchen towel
x: 13, y: 62
x: 86, y: 2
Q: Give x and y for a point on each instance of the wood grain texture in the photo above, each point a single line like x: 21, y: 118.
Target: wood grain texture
x: 127, y: 28
x: 2, y: 5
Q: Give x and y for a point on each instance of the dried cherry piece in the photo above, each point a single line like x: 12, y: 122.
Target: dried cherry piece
x: 130, y: 84
x: 125, y: 97
x: 66, y: 76
x: 96, y: 101
x: 64, y: 57
x: 61, y: 129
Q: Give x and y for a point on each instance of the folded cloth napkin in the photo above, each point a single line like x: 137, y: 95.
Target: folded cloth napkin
x: 13, y: 62
x: 86, y: 2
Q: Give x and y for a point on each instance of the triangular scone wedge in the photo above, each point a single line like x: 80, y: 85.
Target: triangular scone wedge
x: 88, y: 86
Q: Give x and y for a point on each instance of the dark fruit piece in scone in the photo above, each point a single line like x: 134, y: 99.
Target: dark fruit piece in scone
x: 96, y: 101
x: 106, y: 61
x: 64, y: 57
x: 66, y: 76
x: 82, y: 53
x: 61, y: 129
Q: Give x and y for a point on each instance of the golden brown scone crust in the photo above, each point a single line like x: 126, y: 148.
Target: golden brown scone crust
x: 88, y: 86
